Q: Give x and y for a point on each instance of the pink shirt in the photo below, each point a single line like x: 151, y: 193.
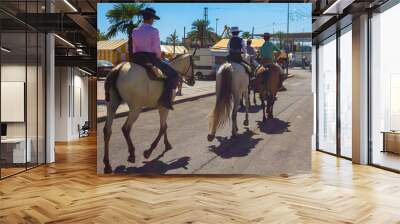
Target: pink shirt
x: 146, y: 38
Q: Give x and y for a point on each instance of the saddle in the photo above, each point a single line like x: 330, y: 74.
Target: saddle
x: 154, y: 73
x: 263, y: 70
x: 231, y: 58
x: 248, y: 68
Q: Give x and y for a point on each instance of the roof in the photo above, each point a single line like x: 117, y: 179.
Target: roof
x: 114, y: 44
x: 223, y: 43
x: 170, y: 49
x: 110, y: 44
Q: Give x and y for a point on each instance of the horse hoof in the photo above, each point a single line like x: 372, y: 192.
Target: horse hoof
x: 264, y: 120
x: 146, y: 154
x: 168, y: 147
x: 131, y: 159
x: 210, y: 137
x: 107, y: 170
x: 245, y: 122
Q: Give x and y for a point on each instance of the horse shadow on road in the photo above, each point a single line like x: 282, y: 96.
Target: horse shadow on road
x: 274, y: 126
x: 155, y: 166
x: 252, y: 109
x: 238, y: 146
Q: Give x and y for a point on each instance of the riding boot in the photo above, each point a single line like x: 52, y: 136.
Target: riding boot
x: 166, y: 97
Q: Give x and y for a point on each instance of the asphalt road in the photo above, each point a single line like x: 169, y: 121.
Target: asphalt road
x: 280, y: 146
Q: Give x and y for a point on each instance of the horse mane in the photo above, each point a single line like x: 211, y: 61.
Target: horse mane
x: 177, y: 57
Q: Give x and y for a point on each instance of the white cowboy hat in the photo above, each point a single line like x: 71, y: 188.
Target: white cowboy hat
x: 235, y: 29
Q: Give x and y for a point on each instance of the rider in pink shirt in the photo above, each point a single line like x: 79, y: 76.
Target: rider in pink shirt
x: 146, y: 39
x: 147, y: 49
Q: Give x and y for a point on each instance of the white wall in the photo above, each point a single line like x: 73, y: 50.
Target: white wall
x: 71, y: 102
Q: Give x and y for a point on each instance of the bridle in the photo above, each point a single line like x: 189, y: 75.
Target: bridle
x: 191, y: 80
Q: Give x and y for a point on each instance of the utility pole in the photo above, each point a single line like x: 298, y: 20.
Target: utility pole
x: 216, y: 26
x: 205, y: 26
x: 287, y: 36
x: 174, y: 41
x: 273, y: 28
x: 184, y: 36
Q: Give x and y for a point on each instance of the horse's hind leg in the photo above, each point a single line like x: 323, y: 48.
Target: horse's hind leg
x: 246, y: 119
x: 270, y: 104
x: 163, y: 121
x: 263, y: 106
x: 163, y: 127
x: 234, y: 115
x: 254, y: 97
x: 168, y: 145
x: 126, y: 130
x: 111, y: 109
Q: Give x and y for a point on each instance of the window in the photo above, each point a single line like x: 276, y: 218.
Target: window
x: 346, y: 92
x: 385, y: 89
x: 327, y: 95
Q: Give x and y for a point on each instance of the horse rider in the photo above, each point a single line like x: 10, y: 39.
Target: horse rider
x: 252, y: 53
x: 237, y: 47
x: 164, y: 57
x: 147, y: 53
x: 268, y: 51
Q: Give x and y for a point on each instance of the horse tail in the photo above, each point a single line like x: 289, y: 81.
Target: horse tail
x: 222, y: 109
x: 111, y: 80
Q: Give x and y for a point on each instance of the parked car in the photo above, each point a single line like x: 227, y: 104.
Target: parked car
x: 103, y: 68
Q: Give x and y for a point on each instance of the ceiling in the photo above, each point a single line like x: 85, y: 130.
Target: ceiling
x: 327, y: 13
x: 73, y: 20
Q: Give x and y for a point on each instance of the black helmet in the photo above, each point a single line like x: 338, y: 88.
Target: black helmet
x: 148, y: 13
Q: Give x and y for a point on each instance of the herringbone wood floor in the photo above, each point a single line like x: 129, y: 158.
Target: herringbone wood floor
x: 70, y: 191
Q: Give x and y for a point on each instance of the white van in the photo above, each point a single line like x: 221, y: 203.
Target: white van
x: 204, y: 65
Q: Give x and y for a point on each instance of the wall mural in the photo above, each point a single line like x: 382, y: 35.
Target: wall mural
x: 250, y: 113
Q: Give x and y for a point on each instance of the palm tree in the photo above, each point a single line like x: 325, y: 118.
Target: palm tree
x: 172, y: 39
x: 201, y: 31
x: 101, y: 36
x: 124, y: 17
x: 246, y: 35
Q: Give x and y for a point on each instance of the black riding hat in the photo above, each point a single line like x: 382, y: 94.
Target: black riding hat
x: 150, y: 13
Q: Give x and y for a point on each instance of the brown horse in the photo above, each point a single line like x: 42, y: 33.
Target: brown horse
x: 268, y: 88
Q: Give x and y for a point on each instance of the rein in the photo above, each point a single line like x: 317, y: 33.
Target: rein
x: 190, y: 65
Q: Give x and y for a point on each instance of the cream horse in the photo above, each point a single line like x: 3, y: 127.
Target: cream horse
x: 129, y: 82
x: 232, y: 83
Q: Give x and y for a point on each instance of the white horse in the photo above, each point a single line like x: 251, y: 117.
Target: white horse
x: 129, y: 82
x: 232, y: 83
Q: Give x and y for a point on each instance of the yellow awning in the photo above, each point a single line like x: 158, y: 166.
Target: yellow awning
x: 116, y: 51
x: 223, y: 43
x: 110, y: 44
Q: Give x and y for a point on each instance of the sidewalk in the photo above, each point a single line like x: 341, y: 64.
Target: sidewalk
x: 200, y: 89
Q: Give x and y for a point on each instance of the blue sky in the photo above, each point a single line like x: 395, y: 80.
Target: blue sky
x: 265, y: 17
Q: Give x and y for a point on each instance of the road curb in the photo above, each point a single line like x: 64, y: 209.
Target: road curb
x: 125, y: 113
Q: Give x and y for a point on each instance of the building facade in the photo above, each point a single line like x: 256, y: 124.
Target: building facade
x: 356, y: 82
